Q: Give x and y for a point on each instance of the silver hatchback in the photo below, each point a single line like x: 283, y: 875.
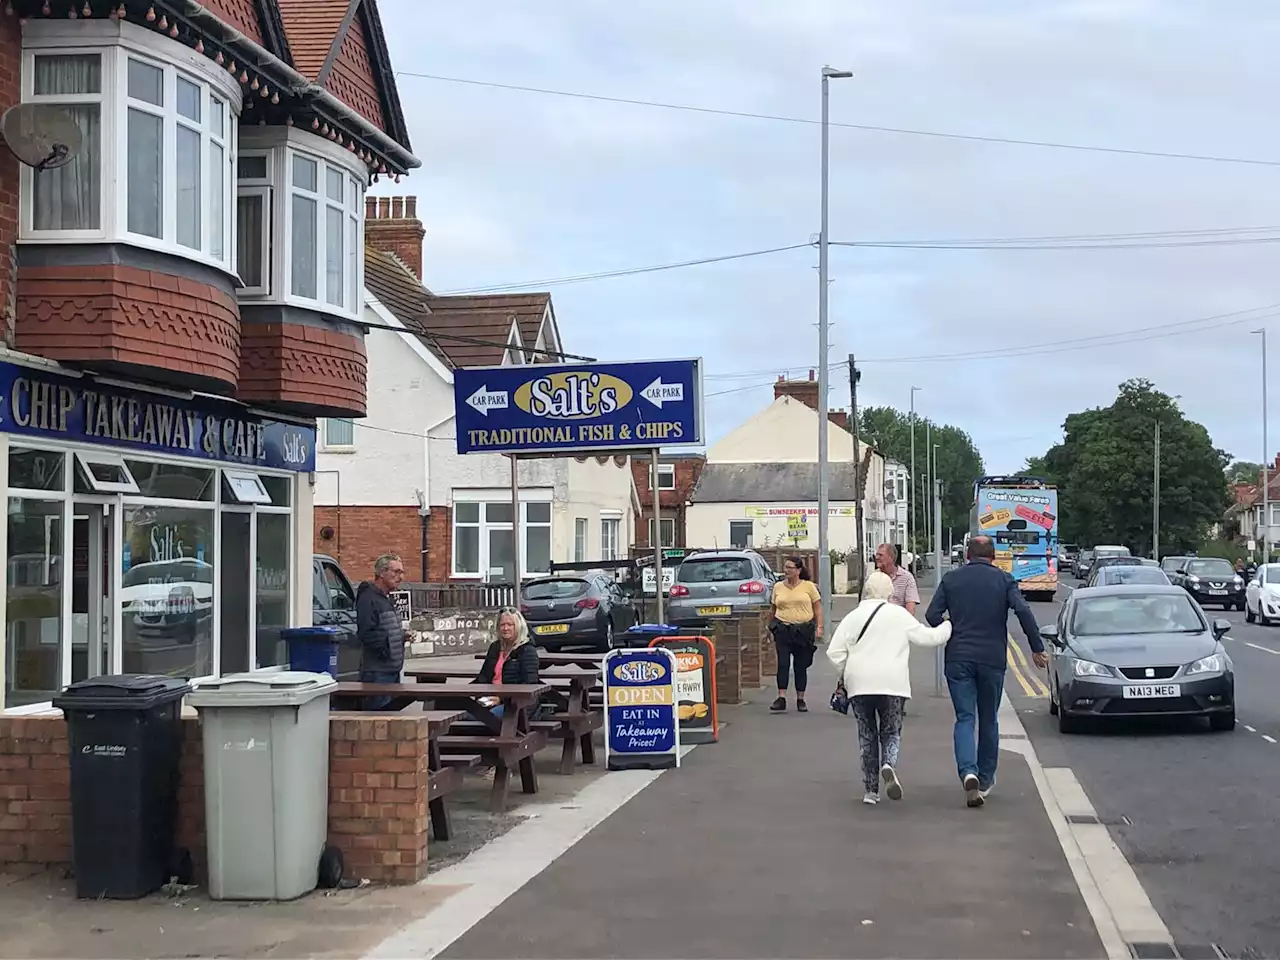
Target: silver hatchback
x: 718, y: 584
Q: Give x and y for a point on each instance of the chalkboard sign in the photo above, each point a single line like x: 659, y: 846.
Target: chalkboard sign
x: 640, y: 705
x: 695, y: 687
x: 402, y: 600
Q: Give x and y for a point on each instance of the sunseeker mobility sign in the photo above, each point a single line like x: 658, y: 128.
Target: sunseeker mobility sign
x: 545, y: 408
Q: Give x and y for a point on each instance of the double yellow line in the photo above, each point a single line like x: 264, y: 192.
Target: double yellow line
x: 1027, y: 675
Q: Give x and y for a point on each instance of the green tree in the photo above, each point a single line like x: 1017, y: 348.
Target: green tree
x: 1244, y: 471
x: 959, y: 463
x: 1103, y: 469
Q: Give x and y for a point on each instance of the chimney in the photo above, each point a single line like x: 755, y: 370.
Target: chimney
x: 806, y: 391
x: 840, y: 418
x: 391, y: 225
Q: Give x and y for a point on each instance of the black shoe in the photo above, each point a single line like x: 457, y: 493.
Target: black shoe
x: 802, y: 707
x: 778, y: 706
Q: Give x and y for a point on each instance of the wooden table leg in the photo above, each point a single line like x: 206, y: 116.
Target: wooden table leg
x: 567, y: 750
x: 588, y: 748
x: 528, y: 775
x: 498, y: 796
x: 440, y: 826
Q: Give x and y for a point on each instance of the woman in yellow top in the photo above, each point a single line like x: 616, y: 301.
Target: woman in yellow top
x: 797, y: 628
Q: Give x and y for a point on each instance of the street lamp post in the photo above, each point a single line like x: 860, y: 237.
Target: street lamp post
x: 1266, y: 457
x: 1155, y: 500
x: 824, y: 466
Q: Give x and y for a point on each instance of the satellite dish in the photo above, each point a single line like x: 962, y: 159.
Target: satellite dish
x: 40, y: 135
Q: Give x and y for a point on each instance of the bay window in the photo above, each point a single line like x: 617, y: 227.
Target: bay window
x: 158, y: 123
x: 308, y: 194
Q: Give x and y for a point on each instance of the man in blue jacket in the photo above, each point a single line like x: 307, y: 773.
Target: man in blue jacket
x: 378, y: 627
x: 978, y: 597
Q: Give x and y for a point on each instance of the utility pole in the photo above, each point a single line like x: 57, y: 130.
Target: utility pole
x: 911, y: 486
x: 1266, y: 458
x: 860, y: 567
x: 1155, y: 500
x: 926, y: 488
x: 824, y: 333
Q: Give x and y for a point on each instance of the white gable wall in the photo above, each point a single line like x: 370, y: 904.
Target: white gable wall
x: 786, y: 431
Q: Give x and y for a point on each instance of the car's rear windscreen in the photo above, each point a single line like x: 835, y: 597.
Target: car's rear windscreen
x: 719, y: 570
x: 555, y: 589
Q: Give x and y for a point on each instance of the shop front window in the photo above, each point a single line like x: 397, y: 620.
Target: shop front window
x: 167, y: 591
x: 33, y: 601
x: 272, y: 571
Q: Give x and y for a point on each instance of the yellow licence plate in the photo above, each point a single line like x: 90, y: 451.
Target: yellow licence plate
x: 713, y: 611
x: 552, y: 628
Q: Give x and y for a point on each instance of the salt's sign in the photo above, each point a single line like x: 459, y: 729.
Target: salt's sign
x: 643, y: 732
x: 545, y: 408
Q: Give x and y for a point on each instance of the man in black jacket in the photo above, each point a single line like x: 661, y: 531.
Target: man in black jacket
x: 978, y: 597
x: 378, y: 628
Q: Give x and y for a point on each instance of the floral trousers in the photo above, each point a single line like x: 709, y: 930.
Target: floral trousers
x: 879, y: 734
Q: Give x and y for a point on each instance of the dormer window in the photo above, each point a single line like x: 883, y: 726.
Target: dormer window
x: 158, y: 123
x: 300, y: 209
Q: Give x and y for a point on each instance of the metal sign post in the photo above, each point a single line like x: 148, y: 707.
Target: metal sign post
x: 656, y: 537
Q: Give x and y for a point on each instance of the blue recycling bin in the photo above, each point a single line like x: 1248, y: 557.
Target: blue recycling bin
x: 313, y: 649
x: 642, y: 634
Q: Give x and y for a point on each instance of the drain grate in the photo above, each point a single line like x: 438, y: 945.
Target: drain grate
x: 1186, y: 951
x: 1105, y: 821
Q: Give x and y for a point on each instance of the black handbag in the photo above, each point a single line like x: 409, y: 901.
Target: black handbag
x: 840, y: 696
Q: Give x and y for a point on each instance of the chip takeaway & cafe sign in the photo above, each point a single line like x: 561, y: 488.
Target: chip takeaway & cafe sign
x: 40, y: 403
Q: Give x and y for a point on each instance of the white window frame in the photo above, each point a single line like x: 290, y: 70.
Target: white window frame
x: 1275, y: 515
x: 246, y: 487
x: 485, y: 526
x: 665, y: 470
x: 280, y: 146
x: 328, y: 447
x: 610, y: 537
x: 85, y: 461
x: 259, y: 187
x: 751, y: 534
x: 115, y: 42
x: 581, y: 531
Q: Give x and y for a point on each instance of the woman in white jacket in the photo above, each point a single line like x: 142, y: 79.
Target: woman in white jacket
x: 872, y: 648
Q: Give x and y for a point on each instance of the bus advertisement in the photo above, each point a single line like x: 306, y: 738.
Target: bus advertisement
x: 1021, y: 515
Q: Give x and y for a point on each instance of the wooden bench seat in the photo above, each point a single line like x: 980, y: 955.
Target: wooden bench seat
x: 463, y: 761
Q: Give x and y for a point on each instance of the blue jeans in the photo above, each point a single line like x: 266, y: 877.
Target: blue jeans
x: 976, y: 689
x: 378, y: 676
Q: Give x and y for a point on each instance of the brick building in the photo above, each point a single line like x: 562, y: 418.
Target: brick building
x: 393, y: 480
x: 180, y: 287
x: 677, y: 474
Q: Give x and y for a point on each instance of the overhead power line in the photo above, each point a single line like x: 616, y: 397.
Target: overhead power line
x: 1216, y: 236
x: 869, y: 128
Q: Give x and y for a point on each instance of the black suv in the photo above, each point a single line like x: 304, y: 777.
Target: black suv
x: 1211, y: 580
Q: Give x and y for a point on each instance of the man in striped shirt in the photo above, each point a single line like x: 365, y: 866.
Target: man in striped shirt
x: 905, y: 593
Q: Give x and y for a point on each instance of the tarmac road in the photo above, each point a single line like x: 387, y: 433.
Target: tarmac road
x: 1193, y: 811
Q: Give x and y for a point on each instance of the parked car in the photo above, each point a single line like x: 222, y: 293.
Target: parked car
x: 333, y: 604
x: 1133, y: 650
x: 1144, y: 571
x: 1262, y: 595
x: 1083, y: 564
x: 587, y: 609
x: 718, y: 584
x: 1211, y: 580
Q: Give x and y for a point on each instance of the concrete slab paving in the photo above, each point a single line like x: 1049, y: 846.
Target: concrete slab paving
x: 760, y: 847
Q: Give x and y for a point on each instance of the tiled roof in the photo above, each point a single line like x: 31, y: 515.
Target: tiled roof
x: 399, y: 291
x: 457, y: 320
x: 769, y: 483
x: 312, y: 26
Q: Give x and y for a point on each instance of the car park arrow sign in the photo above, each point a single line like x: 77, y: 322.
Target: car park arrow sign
x: 564, y: 409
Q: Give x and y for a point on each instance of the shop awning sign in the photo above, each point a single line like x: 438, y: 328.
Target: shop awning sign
x: 566, y: 409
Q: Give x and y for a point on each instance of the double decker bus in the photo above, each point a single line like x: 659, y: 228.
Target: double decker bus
x: 1021, y: 515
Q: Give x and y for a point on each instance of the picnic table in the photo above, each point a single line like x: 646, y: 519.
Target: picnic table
x: 548, y: 659
x: 505, y: 743
x: 574, y: 720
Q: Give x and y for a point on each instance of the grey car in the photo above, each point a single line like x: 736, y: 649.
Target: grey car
x: 718, y: 584
x: 590, y: 609
x: 1138, y: 650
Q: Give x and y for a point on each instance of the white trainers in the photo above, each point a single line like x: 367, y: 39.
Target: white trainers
x: 870, y: 799
x: 986, y: 791
x: 893, y: 786
x: 972, y: 794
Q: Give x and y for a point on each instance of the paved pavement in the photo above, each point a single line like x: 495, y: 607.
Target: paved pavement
x: 759, y: 846
x: 1193, y: 811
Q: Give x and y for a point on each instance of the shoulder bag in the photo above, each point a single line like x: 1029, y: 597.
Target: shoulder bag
x: 840, y: 697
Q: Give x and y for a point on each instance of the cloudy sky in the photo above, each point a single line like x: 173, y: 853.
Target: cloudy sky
x: 519, y: 186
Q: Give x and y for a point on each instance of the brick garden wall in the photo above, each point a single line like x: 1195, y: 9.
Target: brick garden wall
x: 378, y: 813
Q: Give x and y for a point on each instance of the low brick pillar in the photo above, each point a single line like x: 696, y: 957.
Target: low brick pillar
x: 749, y: 630
x: 35, y: 791
x: 378, y: 813
x: 728, y: 640
x: 191, y: 824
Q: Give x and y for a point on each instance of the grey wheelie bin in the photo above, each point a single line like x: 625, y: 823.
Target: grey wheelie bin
x: 266, y: 782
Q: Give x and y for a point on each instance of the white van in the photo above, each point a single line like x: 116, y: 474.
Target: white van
x: 1109, y: 550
